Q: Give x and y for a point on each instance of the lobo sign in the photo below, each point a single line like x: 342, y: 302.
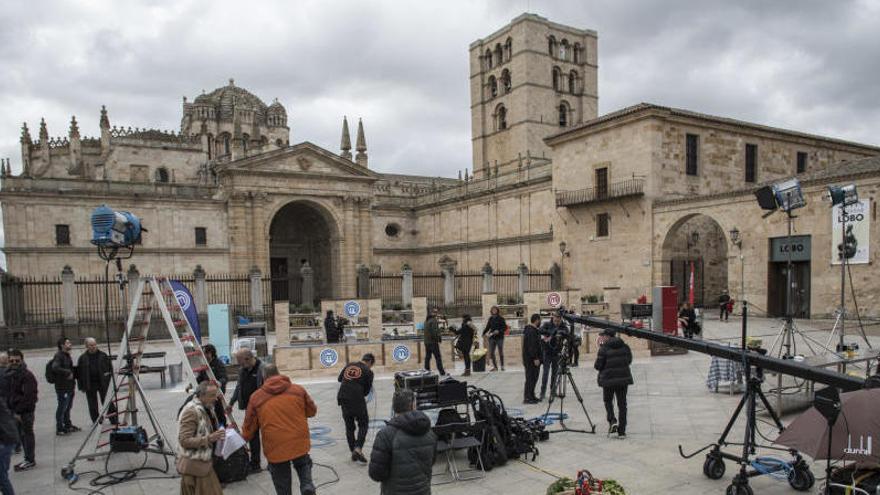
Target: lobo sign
x: 854, y: 242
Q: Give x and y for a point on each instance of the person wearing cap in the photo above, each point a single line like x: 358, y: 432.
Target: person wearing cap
x: 612, y: 362
x: 356, y: 381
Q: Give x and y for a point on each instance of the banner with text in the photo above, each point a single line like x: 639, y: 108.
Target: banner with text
x: 855, y: 240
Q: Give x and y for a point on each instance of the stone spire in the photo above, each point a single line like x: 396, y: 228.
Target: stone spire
x: 105, y: 121
x: 25, y: 134
x: 74, y: 128
x: 361, y: 157
x: 346, y: 140
x: 44, y: 133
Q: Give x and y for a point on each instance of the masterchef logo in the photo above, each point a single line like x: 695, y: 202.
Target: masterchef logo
x: 864, y: 446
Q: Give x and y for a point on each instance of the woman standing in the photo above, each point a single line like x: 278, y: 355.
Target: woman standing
x: 495, y: 329
x: 465, y: 342
x: 196, y: 436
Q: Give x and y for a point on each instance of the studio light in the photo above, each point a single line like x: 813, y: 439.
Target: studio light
x: 843, y: 195
x: 786, y: 196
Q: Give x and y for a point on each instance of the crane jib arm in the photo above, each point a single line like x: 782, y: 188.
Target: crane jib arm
x: 769, y: 363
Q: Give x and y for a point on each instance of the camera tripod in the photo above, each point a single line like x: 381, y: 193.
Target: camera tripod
x: 563, y: 378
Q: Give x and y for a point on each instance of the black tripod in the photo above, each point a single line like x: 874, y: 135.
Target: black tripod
x: 561, y: 381
x: 800, y: 478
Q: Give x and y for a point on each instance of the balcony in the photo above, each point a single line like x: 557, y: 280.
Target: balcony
x: 623, y: 189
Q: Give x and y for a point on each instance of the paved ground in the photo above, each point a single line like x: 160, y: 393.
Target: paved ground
x: 669, y: 405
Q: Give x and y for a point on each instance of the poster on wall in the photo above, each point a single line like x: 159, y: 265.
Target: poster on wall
x: 855, y: 240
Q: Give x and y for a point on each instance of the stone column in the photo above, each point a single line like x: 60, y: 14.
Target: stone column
x: 363, y: 282
x: 488, y: 279
x: 3, y: 278
x: 447, y: 265
x: 68, y: 295
x: 133, y: 277
x: 256, y: 278
x: 406, y: 286
x: 523, y: 271
x: 201, y: 290
x: 308, y: 284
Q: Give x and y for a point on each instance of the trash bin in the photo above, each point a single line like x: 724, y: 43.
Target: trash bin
x: 175, y: 372
x: 478, y: 360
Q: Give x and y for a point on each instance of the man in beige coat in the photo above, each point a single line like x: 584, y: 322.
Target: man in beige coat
x: 196, y: 436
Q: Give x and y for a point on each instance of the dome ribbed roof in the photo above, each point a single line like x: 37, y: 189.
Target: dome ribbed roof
x: 276, y: 108
x: 225, y: 98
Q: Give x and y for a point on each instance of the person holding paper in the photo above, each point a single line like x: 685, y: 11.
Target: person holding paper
x: 197, y: 434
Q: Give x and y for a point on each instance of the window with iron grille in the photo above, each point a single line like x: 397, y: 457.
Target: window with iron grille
x: 62, y: 235
x: 801, y: 162
x: 601, y: 182
x: 691, y: 154
x: 201, y: 236
x: 751, y: 163
x: 603, y: 224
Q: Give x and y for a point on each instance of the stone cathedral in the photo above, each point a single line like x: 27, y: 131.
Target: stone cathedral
x: 612, y: 201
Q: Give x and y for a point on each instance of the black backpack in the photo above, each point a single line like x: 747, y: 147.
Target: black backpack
x: 236, y: 468
x: 50, y: 373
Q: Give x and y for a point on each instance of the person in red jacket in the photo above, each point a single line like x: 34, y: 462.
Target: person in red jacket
x: 23, y: 403
x: 279, y: 411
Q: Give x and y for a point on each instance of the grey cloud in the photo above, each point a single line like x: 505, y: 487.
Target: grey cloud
x: 403, y: 67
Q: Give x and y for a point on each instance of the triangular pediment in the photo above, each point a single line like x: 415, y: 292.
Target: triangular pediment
x: 303, y: 158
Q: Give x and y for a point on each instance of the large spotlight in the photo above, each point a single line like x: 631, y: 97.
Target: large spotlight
x: 843, y: 195
x: 786, y: 196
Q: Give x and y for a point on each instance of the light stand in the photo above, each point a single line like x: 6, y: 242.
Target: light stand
x: 109, y: 255
x: 737, y: 241
x: 827, y: 402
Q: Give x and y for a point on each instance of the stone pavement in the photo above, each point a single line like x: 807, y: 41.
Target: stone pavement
x: 668, y: 405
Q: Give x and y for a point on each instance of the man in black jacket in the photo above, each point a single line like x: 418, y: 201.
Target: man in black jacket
x: 612, y: 362
x: 8, y: 441
x: 531, y: 356
x: 250, y: 379
x: 404, y: 450
x: 22, y: 385
x: 550, y: 352
x: 432, y: 340
x: 93, y: 374
x: 331, y: 329
x: 65, y: 386
x: 357, y: 381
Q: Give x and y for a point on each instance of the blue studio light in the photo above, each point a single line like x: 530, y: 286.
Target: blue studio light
x: 115, y: 229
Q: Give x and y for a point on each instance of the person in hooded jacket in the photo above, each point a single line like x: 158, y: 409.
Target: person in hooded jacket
x: 279, y: 413
x: 465, y: 342
x: 404, y: 450
x: 615, y: 377
x: 23, y: 404
x: 8, y: 440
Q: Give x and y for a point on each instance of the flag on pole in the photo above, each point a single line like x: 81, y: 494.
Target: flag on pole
x: 691, y: 286
x: 185, y: 299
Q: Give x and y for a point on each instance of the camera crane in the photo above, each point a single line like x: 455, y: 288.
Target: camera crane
x: 799, y: 477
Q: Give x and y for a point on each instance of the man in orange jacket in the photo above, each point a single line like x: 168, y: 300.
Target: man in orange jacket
x: 279, y: 412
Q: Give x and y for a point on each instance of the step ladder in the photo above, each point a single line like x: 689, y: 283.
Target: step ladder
x: 121, y: 409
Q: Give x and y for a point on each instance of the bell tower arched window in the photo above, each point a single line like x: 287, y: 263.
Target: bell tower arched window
x: 505, y: 81
x: 577, y: 53
x: 573, y: 82
x: 552, y: 46
x: 499, y: 54
x: 493, y: 87
x: 500, y: 118
x: 563, y: 50
x: 563, y: 114
x: 488, y: 59
x: 508, y: 49
x: 557, y: 79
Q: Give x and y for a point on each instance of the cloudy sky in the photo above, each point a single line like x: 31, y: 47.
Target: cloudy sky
x: 403, y: 65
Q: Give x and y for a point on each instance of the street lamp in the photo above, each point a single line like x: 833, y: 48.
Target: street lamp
x: 736, y: 240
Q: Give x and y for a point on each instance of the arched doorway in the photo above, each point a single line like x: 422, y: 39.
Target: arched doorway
x: 696, y: 241
x: 302, y: 232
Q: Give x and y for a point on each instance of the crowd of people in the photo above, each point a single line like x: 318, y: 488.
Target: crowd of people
x: 276, y: 410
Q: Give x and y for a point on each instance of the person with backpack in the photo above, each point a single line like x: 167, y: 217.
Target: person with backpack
x: 22, y: 386
x: 356, y: 381
x: 94, y: 371
x: 61, y: 373
x: 496, y: 327
x: 404, y: 450
x: 615, y: 377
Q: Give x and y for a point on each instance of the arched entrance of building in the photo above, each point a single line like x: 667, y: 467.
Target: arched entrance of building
x: 696, y: 243
x: 302, y: 232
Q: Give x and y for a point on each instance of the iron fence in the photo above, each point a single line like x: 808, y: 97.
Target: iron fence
x: 90, y: 299
x: 387, y: 287
x: 540, y: 281
x: 278, y: 288
x: 31, y: 301
x: 507, y: 286
x: 468, y: 288
x: 429, y: 285
x: 234, y: 290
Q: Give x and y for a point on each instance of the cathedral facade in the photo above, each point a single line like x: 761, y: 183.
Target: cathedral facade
x: 610, y: 200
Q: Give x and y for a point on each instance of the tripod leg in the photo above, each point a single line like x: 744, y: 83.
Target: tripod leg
x: 577, y: 393
x: 770, y: 410
x: 723, y: 439
x: 152, y: 417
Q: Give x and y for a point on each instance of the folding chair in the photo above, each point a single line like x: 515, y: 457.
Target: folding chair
x: 456, y: 432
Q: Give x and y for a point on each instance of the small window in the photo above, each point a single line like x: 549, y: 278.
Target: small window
x: 279, y: 143
x: 493, y: 87
x: 162, y: 174
x: 201, y: 236
x: 572, y: 82
x: 392, y: 230
x: 488, y: 59
x: 691, y: 154
x: 557, y: 79
x: 602, y: 183
x: 62, y: 235
x: 501, y: 118
x: 552, y: 46
x: 603, y: 224
x: 801, y: 162
x: 563, y: 115
x: 505, y: 80
x: 751, y: 163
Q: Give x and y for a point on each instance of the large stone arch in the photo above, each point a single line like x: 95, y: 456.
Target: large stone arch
x: 299, y: 230
x: 700, y: 239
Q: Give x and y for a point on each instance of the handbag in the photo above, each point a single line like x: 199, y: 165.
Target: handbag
x: 234, y: 468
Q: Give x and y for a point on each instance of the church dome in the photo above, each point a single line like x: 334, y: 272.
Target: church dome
x: 276, y: 108
x: 229, y: 97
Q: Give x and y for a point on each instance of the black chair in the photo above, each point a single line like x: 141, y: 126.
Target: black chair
x: 455, y: 432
